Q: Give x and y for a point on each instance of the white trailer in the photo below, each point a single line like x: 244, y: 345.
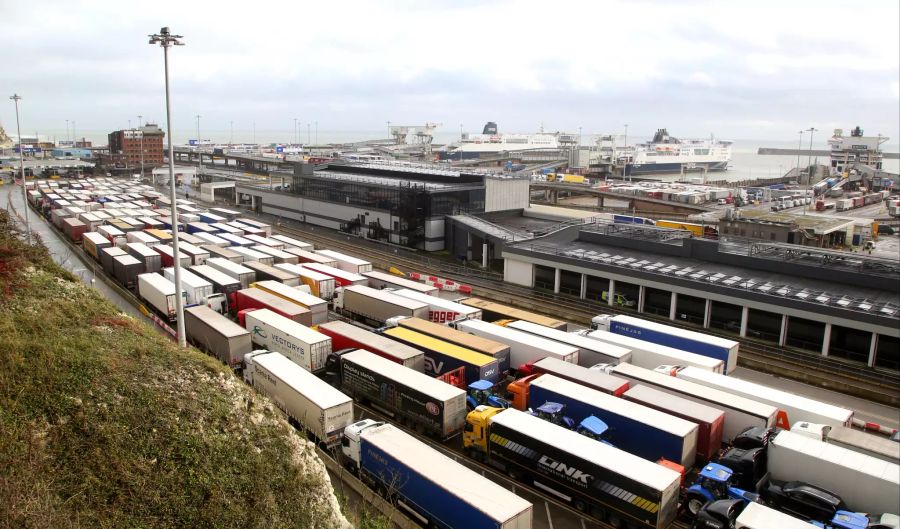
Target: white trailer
x: 198, y: 254
x: 650, y: 355
x: 266, y: 229
x: 251, y: 254
x: 792, y: 408
x: 243, y: 274
x: 317, y: 406
x: 318, y: 308
x: 307, y: 348
x: 196, y: 289
x: 865, y: 483
x: 309, y: 256
x: 758, y: 516
x: 342, y: 278
x: 590, y: 352
x: 740, y: 412
x: 235, y: 239
x: 290, y: 242
x: 142, y: 237
x: 376, y: 305
x: 210, y: 238
x: 320, y: 285
x: 158, y: 292
x: 112, y: 234
x: 279, y: 255
x: 226, y: 228
x: 347, y: 262
x: 385, y: 280
x: 223, y: 338
x: 863, y: 442
x: 524, y: 347
x: 265, y: 241
x: 441, y: 310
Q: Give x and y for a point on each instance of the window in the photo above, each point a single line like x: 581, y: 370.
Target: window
x: 772, y: 235
x: 469, y: 427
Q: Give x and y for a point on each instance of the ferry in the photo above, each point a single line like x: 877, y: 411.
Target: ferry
x: 490, y: 142
x: 668, y: 154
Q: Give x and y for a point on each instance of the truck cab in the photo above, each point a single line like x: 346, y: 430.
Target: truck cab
x: 475, y: 433
x: 600, y: 322
x: 518, y: 391
x: 715, y: 483
x: 350, y: 444
x: 217, y: 302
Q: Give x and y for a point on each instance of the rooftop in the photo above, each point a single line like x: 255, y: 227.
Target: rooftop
x: 818, y: 224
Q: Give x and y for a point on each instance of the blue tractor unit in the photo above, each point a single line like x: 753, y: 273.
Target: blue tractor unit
x: 554, y: 412
x: 481, y: 393
x: 715, y: 483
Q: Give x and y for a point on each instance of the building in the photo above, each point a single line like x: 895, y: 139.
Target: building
x: 807, y: 230
x: 125, y: 148
x: 71, y: 152
x: 855, y: 149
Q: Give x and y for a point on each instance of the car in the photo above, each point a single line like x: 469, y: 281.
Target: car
x: 621, y: 300
x: 886, y: 230
x: 719, y: 514
x: 803, y: 500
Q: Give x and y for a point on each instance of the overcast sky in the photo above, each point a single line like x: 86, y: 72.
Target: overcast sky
x: 740, y: 69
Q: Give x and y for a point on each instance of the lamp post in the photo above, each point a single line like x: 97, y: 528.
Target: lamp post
x: 16, y: 98
x: 809, y: 157
x: 295, y: 132
x: 317, y: 132
x: 140, y: 121
x: 74, y: 136
x: 625, y: 152
x: 165, y: 41
x: 67, y: 130
x: 231, y: 139
x: 199, y: 148
x: 308, y: 141
x: 799, y: 148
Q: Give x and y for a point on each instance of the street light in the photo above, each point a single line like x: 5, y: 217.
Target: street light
x: 67, y: 131
x: 809, y: 158
x: 799, y: 148
x: 625, y: 152
x: 295, y: 132
x: 231, y: 140
x: 16, y: 98
x: 317, y: 132
x: 165, y: 41
x: 140, y: 121
x: 199, y: 150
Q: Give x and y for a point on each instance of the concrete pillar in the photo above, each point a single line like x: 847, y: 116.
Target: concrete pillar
x: 673, y: 307
x: 642, y: 297
x: 583, y: 286
x: 872, y: 347
x: 611, y: 293
x: 826, y: 339
x: 484, y: 259
x: 707, y: 313
x: 745, y: 317
x: 556, y: 278
x: 784, y: 329
x: 468, y: 246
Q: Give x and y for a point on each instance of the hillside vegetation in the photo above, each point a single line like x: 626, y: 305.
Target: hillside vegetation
x: 105, y: 423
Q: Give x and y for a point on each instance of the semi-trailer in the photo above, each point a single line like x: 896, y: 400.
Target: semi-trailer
x: 152, y: 223
x: 441, y: 310
x: 758, y: 516
x: 265, y: 241
x: 590, y: 352
x: 320, y: 285
x: 142, y: 237
x: 161, y: 235
x: 610, y: 484
x: 318, y: 307
x: 151, y: 260
x: 223, y: 252
x: 346, y: 336
x: 238, y: 271
x: 93, y: 242
x: 865, y: 483
x: 210, y: 239
x: 216, y: 334
x: 320, y: 409
x: 290, y: 242
x: 184, y: 237
x: 266, y: 229
x: 709, y: 420
x: 792, y: 408
x: 677, y: 338
x: 413, y: 398
x: 198, y: 290
x: 106, y: 258
x: 222, y: 283
x: 385, y: 280
x: 113, y: 234
x: 650, y: 355
x: 278, y: 255
x: 227, y: 228
x: 740, y: 412
x: 443, y: 357
x: 589, y: 378
x: 863, y: 442
x: 74, y: 229
x: 211, y: 217
x: 308, y: 256
x: 159, y: 292
x: 266, y: 272
x: 524, y: 348
x: 255, y: 298
x: 307, y: 348
x: 491, y: 311
x: 494, y: 349
x: 126, y: 268
x: 167, y: 255
x: 346, y: 262
x: 342, y: 278
x: 249, y: 254
x: 234, y: 239
x: 436, y: 489
x: 369, y: 304
x: 91, y: 221
x: 639, y: 430
x: 196, y: 228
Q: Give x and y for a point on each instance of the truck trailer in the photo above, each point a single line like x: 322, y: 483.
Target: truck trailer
x: 151, y: 260
x: 346, y: 336
x: 590, y: 352
x: 524, y: 348
x: 320, y: 285
x: 491, y: 311
x: 758, y: 516
x: 142, y: 237
x: 431, y: 486
x: 216, y: 334
x: 589, y: 378
x: 211, y: 239
x: 222, y: 283
x: 106, y: 258
x: 290, y: 242
x: 318, y: 308
x: 279, y: 255
x: 342, y: 278
x: 251, y: 254
x: 650, y: 355
x: 592, y: 477
x: 441, y: 310
x: 167, y: 255
x: 159, y: 292
x: 346, y: 262
x: 93, y: 242
x: 863, y: 442
x: 255, y: 298
x: 307, y: 348
x: 385, y: 280
x: 223, y: 252
x: 443, y: 357
x: 320, y: 409
x: 369, y: 304
x: 237, y: 271
x: 496, y: 350
x: 308, y: 256
x: 266, y: 272
x: 126, y: 268
x: 198, y: 290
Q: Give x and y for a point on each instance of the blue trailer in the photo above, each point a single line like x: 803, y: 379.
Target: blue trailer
x: 690, y: 341
x: 430, y: 486
x: 210, y: 218
x: 636, y: 429
x: 628, y: 219
x: 200, y: 227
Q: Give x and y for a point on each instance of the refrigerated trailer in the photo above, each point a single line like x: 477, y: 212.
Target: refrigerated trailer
x: 342, y: 278
x: 495, y: 311
x: 867, y: 443
x: 494, y: 349
x: 441, y: 310
x: 318, y: 307
x: 523, y: 347
x: 159, y: 292
x: 650, y: 355
x: 307, y: 348
x: 290, y: 242
x: 216, y: 334
x: 222, y: 283
x: 257, y: 298
x: 237, y: 271
x: 346, y: 262
x: 346, y: 336
x: 320, y: 285
x: 316, y: 406
x: 265, y: 272
x: 385, y: 280
x: 197, y: 289
x: 375, y: 305
x: 151, y: 260
x: 443, y: 357
x: 590, y: 352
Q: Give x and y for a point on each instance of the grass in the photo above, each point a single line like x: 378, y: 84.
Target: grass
x: 106, y: 423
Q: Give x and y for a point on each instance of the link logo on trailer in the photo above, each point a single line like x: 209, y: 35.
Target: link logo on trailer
x: 572, y: 473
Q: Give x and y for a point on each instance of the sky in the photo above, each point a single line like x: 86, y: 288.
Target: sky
x: 757, y: 69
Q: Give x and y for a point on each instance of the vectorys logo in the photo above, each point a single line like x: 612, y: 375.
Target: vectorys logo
x: 562, y: 468
x: 258, y: 331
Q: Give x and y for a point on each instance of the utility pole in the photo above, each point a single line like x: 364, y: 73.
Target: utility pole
x: 809, y: 158
x: 16, y: 98
x: 166, y: 40
x: 67, y: 131
x: 295, y: 132
x: 799, y: 148
x: 625, y: 147
x: 317, y: 132
x: 231, y: 141
x: 141, y: 126
x: 199, y: 148
x: 308, y: 141
x: 74, y: 136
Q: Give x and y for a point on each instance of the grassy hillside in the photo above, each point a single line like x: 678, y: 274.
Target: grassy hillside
x: 105, y: 423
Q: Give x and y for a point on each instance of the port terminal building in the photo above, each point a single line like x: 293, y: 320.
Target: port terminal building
x: 833, y: 304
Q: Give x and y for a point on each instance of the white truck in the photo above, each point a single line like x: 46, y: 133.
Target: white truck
x: 441, y: 310
x: 323, y: 411
x: 863, y: 442
x: 347, y: 262
x: 650, y: 355
x: 307, y: 348
x: 159, y: 292
x: 318, y: 308
x: 218, y: 335
x: 198, y: 290
x: 320, y: 285
x: 366, y: 303
x: 524, y: 347
x: 243, y: 274
x: 590, y: 352
x: 758, y: 516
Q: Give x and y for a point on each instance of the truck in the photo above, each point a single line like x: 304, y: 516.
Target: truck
x: 368, y: 304
x: 650, y: 355
x: 151, y: 260
x: 106, y: 258
x: 211, y: 239
x: 865, y: 483
x: 290, y: 242
x: 224, y: 227
x: 196, y: 228
x: 266, y: 272
x: 240, y: 272
x: 589, y: 378
x: 491, y: 311
x: 113, y: 235
x: 210, y: 217
x: 126, y: 269
x: 223, y: 252
x: 590, y: 352
x: 255, y: 298
x: 858, y: 441
x: 307, y: 348
x: 346, y: 336
x: 235, y: 239
x: 167, y: 255
x: 278, y: 255
x: 265, y: 241
x: 690, y: 341
x: 523, y: 347
x: 433, y: 487
x: 494, y: 349
x: 426, y: 404
x: 741, y: 413
x: 308, y: 256
x: 74, y: 229
x: 198, y: 290
x: 791, y: 407
x: 440, y: 310
x: 93, y: 242
x: 266, y: 229
x: 346, y: 262
x: 592, y: 477
x: 342, y: 278
x: 442, y: 357
x: 249, y: 254
x: 217, y: 335
x: 222, y: 283
x: 141, y: 237
x: 710, y: 421
x: 758, y: 516
x: 322, y: 411
x: 159, y: 292
x: 318, y: 308
x: 385, y: 280
x: 639, y: 430
x: 320, y: 285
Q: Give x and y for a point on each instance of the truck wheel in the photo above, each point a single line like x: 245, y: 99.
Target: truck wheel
x: 581, y: 506
x: 695, y: 502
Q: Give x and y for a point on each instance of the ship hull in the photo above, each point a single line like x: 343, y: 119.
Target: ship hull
x: 668, y: 168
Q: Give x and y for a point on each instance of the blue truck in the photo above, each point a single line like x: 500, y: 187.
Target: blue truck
x: 430, y: 486
x: 642, y: 431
